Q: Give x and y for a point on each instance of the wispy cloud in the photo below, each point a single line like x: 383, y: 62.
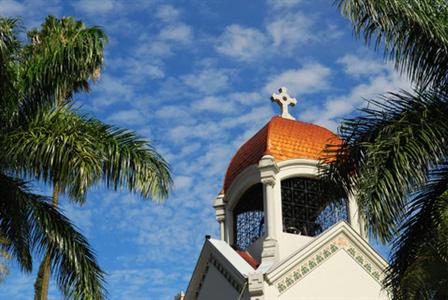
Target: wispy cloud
x: 131, y: 117
x: 282, y: 4
x: 96, y: 7
x: 241, y: 42
x: 11, y: 8
x: 292, y: 30
x: 357, y: 66
x: 179, y: 33
x: 381, y: 79
x: 311, y: 78
x: 208, y: 81
x: 167, y: 13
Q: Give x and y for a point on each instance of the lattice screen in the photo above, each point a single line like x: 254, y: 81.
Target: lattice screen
x: 249, y: 217
x: 304, y: 209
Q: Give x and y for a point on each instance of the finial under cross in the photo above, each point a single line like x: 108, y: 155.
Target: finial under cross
x: 284, y: 100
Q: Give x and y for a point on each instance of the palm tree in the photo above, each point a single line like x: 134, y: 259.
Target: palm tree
x: 28, y: 224
x: 50, y: 141
x: 394, y: 155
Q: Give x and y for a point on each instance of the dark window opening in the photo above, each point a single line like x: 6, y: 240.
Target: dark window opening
x: 305, y: 210
x: 249, y: 217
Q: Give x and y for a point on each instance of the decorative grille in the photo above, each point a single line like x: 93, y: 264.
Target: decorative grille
x: 304, y: 209
x: 249, y: 217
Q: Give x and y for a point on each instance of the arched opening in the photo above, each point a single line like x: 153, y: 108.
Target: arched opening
x: 248, y: 217
x: 305, y: 209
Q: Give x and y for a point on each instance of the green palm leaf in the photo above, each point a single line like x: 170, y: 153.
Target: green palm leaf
x: 419, y: 265
x: 29, y: 222
x: 76, y: 152
x: 62, y: 57
x: 387, y: 153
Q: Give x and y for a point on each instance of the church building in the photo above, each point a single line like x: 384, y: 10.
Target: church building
x: 278, y: 239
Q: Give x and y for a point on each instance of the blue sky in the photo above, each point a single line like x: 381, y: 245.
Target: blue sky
x: 195, y: 77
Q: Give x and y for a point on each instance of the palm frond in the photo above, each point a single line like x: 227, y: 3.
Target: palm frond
x: 54, y: 147
x: 30, y: 223
x: 131, y: 162
x: 387, y: 152
x: 61, y: 59
x: 10, y: 92
x: 77, y: 151
x: 14, y: 223
x: 419, y: 264
x: 414, y: 34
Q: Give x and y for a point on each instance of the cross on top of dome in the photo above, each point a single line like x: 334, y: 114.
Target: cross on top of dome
x: 284, y: 100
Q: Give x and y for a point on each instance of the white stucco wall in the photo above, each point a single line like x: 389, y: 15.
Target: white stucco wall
x: 290, y: 243
x: 339, y: 278
x: 216, y: 287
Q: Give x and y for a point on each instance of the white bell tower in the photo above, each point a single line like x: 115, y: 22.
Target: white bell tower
x: 272, y: 201
x: 280, y: 235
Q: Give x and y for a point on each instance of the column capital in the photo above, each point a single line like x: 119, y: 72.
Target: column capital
x: 220, y: 208
x: 268, y: 169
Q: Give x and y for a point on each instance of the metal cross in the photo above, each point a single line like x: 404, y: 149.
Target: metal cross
x: 284, y: 100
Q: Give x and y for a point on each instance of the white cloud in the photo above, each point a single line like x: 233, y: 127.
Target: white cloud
x: 173, y: 113
x: 180, y: 33
x: 291, y: 30
x: 167, y: 13
x: 312, y: 77
x: 214, y: 104
x: 162, y: 45
x: 114, y: 86
x: 131, y: 117
x: 281, y: 35
x: 241, y: 42
x: 361, y: 66
x: 205, y: 130
x: 11, y: 8
x: 137, y: 71
x: 282, y: 4
x: 110, y: 90
x: 182, y: 182
x: 96, y: 7
x: 208, y: 81
x: 155, y: 48
x: 334, y: 108
x: 246, y: 98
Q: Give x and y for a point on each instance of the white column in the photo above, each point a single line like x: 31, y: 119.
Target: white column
x: 268, y: 171
x: 356, y: 221
x: 229, y: 227
x: 220, y: 212
x: 269, y: 207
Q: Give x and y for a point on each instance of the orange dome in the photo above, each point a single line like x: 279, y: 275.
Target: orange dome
x: 283, y: 139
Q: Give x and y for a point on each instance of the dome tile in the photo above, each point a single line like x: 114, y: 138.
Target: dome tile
x: 283, y: 139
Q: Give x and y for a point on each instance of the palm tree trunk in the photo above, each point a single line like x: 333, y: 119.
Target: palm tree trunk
x: 43, y: 276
